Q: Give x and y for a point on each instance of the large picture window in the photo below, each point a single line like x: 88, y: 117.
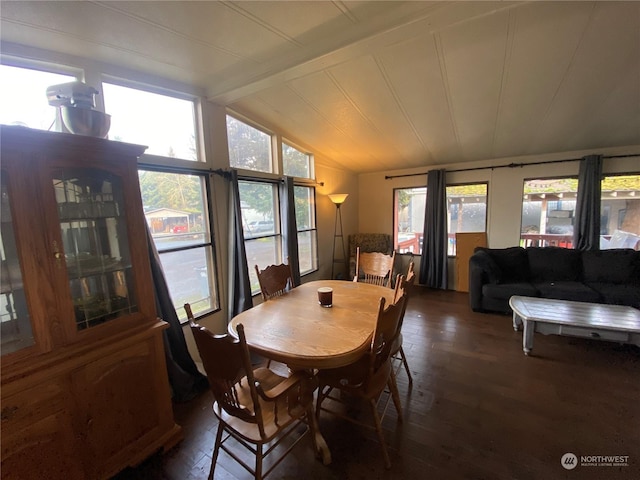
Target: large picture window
x: 466, y: 211
x: 175, y: 207
x: 548, y: 212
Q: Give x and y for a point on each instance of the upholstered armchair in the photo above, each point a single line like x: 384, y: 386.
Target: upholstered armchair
x: 368, y: 242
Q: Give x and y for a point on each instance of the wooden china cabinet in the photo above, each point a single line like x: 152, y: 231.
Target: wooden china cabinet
x: 84, y: 384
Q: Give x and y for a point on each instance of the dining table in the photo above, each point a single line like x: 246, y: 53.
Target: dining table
x: 296, y: 330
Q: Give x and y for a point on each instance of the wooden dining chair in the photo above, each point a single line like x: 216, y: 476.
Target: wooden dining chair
x: 275, y: 280
x: 369, y: 376
x: 255, y: 408
x: 404, y: 286
x: 374, y: 267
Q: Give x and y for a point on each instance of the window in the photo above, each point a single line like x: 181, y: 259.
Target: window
x: 261, y: 226
x: 409, y: 208
x: 165, y: 124
x: 548, y: 211
x: 175, y: 206
x: 305, y: 201
x: 620, y: 212
x: 249, y: 148
x: 23, y: 96
x: 295, y: 163
x: 466, y: 211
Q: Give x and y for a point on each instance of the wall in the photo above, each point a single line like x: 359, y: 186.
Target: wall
x: 505, y: 191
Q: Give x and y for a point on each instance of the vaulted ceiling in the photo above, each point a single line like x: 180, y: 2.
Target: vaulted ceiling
x: 378, y: 85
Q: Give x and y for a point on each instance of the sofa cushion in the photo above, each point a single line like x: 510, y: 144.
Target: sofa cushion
x: 618, y: 266
x: 552, y: 264
x: 488, y: 265
x: 617, y: 294
x: 505, y: 291
x: 567, y: 290
x: 512, y: 262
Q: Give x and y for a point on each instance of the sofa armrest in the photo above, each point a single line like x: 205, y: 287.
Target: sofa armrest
x: 482, y: 270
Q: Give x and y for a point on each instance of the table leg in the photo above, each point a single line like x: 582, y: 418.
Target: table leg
x: 527, y: 336
x: 517, y: 321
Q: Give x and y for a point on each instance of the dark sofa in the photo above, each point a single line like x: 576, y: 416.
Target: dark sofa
x: 603, y: 276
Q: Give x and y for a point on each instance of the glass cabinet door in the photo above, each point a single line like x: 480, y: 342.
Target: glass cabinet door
x: 16, y: 332
x: 95, y: 244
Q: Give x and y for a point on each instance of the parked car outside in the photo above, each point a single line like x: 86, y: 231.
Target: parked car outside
x: 261, y: 226
x: 179, y: 229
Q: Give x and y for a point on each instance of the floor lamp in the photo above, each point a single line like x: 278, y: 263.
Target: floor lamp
x: 338, y: 199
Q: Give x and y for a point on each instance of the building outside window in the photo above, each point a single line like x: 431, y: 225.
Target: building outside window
x: 548, y: 212
x: 177, y: 214
x: 466, y: 211
x: 408, y: 219
x: 620, y: 212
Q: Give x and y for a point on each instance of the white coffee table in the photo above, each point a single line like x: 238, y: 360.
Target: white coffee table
x: 614, y: 323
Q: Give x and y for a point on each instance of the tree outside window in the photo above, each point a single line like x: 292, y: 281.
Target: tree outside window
x: 249, y: 148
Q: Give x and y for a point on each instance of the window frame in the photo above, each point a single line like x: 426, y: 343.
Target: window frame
x: 419, y: 239
x: 310, y: 159
x: 313, y: 230
x: 275, y: 157
x: 486, y: 214
x: 523, y: 242
x: 198, y: 118
x: 214, y: 282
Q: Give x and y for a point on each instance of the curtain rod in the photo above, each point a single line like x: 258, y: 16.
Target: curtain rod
x: 509, y: 165
x: 226, y: 174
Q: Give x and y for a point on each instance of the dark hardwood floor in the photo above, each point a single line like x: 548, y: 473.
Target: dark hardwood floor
x: 479, y: 409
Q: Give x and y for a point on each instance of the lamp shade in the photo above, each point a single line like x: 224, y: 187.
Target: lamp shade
x: 338, y: 198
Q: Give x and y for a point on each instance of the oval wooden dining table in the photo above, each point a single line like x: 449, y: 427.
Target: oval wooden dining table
x: 294, y: 329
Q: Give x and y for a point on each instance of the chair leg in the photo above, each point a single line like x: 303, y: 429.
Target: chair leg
x: 376, y: 418
x: 393, y: 388
x: 216, y: 449
x: 406, y: 365
x: 258, y: 472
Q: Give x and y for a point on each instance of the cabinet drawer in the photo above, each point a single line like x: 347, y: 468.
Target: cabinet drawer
x: 609, y: 335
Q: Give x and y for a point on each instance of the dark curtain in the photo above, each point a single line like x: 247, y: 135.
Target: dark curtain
x: 586, y: 228
x: 185, y: 379
x: 289, y: 226
x: 433, y: 264
x: 239, y: 285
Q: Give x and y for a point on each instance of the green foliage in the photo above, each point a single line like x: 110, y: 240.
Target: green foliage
x: 259, y: 197
x: 249, y: 148
x: 170, y: 190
